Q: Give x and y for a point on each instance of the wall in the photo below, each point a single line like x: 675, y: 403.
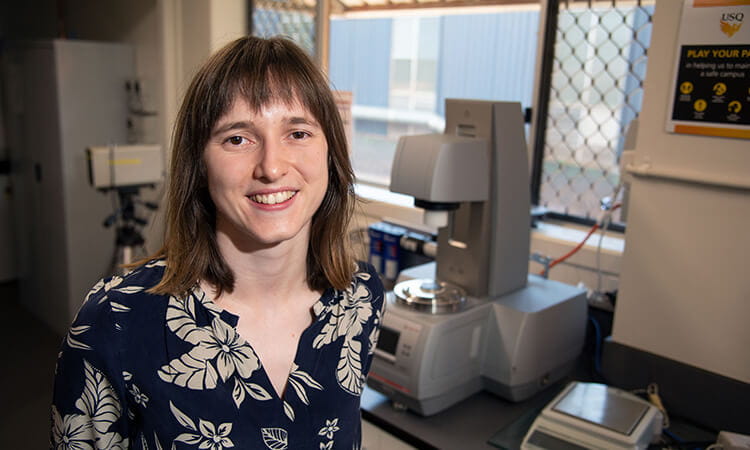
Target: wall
x: 15, y: 23
x: 228, y: 21
x: 204, y: 27
x: 684, y: 290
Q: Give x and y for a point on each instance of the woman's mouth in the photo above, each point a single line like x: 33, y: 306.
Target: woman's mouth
x: 273, y: 198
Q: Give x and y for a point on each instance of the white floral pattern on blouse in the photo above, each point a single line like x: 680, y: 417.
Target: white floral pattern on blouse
x: 139, y: 370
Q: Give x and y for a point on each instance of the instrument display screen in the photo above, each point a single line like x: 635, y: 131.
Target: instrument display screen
x: 388, y: 340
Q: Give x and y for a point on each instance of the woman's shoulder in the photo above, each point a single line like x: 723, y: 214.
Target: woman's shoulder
x: 119, y: 292
x: 366, y: 285
x: 365, y: 267
x: 106, y: 310
x: 365, y: 272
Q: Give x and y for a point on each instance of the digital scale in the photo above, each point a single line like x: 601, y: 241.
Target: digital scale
x: 594, y: 416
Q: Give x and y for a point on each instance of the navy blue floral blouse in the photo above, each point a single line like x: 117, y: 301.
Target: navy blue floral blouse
x: 138, y: 370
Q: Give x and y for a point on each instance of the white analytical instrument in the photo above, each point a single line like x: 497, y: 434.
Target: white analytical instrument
x: 119, y: 166
x: 594, y: 416
x: 474, y: 319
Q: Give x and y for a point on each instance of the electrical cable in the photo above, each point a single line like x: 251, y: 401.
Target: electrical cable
x: 591, y: 231
x: 652, y: 391
x: 599, y: 259
x: 606, y: 220
x: 690, y: 445
x: 573, y: 251
x: 597, y: 347
x: 673, y: 436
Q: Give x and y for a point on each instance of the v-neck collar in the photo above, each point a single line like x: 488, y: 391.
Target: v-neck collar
x: 318, y: 308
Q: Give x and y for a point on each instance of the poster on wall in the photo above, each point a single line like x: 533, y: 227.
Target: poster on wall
x: 711, y: 85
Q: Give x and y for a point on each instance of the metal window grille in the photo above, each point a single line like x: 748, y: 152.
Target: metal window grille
x: 294, y: 19
x: 595, y: 91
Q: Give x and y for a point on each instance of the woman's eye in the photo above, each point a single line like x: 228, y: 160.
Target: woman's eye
x: 299, y: 135
x: 235, y: 140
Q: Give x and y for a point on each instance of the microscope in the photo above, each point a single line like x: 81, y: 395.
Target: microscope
x: 474, y: 319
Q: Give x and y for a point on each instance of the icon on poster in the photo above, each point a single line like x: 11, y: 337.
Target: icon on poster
x: 720, y: 88
x: 686, y: 87
x: 734, y: 107
x: 700, y: 105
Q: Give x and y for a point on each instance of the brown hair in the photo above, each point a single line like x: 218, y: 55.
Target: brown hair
x: 260, y: 71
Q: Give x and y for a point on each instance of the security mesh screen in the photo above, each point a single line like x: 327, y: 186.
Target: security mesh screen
x: 596, y: 91
x: 291, y: 18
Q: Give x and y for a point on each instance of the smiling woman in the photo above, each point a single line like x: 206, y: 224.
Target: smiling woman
x: 253, y: 327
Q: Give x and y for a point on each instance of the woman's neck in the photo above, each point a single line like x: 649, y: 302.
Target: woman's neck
x: 267, y: 276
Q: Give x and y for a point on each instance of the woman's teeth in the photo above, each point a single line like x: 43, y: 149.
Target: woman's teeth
x: 272, y: 199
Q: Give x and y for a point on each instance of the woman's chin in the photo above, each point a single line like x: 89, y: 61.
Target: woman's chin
x: 260, y: 239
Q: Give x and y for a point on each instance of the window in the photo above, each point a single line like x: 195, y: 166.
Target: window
x: 595, y: 90
x: 414, y: 64
x: 292, y: 18
x: 402, y: 67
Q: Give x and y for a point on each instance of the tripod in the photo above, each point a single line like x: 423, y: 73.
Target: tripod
x: 129, y: 242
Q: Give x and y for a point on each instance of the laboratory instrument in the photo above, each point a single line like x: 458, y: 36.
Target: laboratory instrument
x: 126, y: 169
x: 594, y: 416
x: 474, y: 319
x: 117, y: 166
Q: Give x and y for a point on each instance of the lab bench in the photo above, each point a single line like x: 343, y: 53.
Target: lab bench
x: 482, y: 421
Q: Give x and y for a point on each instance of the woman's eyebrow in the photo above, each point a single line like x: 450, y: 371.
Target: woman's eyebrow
x: 229, y: 126
x: 296, y: 120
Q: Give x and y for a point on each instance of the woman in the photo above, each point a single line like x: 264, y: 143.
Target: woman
x: 252, y: 327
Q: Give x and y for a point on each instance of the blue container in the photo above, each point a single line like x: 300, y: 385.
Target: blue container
x: 392, y: 251
x: 375, y: 232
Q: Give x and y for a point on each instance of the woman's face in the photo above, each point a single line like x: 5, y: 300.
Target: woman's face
x: 267, y: 172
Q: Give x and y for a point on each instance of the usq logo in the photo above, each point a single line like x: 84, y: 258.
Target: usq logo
x: 731, y: 22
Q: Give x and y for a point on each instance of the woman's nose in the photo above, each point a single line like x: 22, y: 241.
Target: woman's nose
x: 273, y: 164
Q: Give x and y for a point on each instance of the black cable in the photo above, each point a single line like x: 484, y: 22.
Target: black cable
x: 679, y: 445
x: 597, y: 346
x: 597, y: 374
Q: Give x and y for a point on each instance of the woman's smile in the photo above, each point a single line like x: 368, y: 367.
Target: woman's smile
x: 274, y: 198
